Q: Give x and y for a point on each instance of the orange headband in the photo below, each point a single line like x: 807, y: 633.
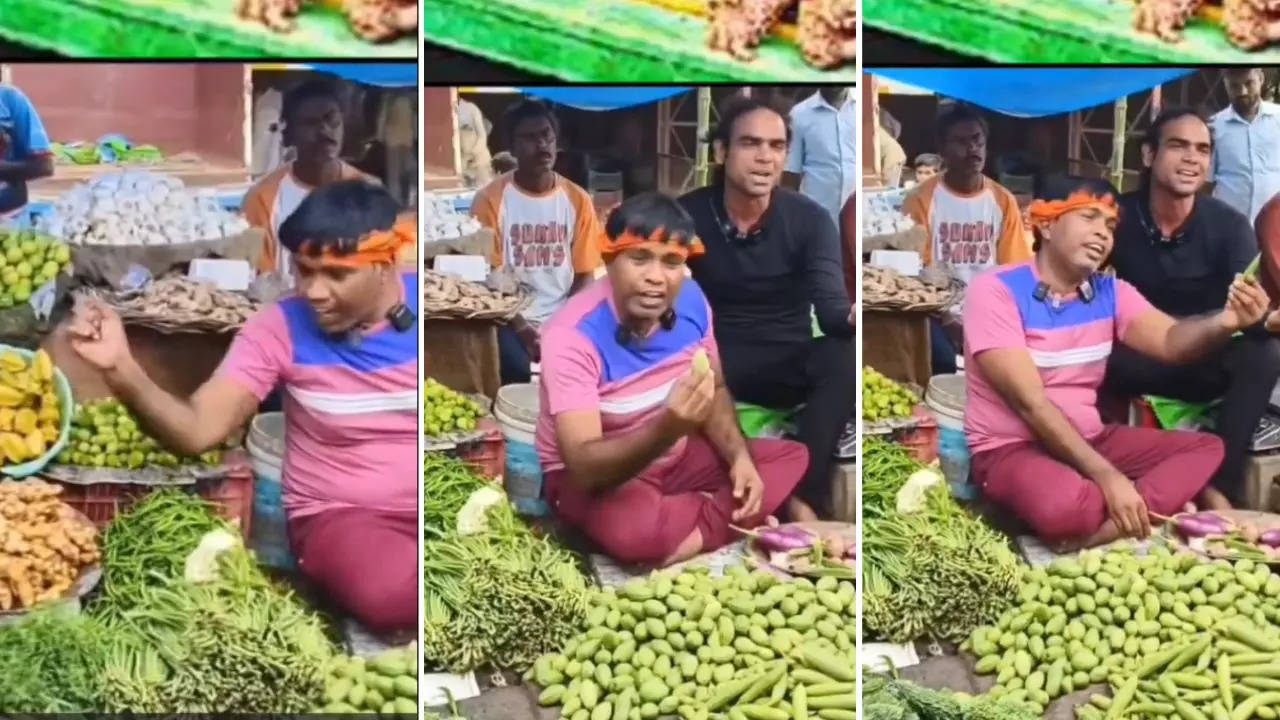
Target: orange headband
x: 1050, y: 210
x: 380, y: 247
x: 628, y: 239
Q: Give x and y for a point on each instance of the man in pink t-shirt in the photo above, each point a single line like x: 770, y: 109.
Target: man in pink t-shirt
x: 640, y: 448
x: 1037, y: 338
x: 351, y: 411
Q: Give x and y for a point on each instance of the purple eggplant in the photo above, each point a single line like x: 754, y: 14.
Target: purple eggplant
x: 784, y: 539
x: 1270, y: 538
x: 1201, y: 524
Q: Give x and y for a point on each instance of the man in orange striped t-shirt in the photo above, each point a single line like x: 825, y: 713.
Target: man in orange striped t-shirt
x: 546, y: 227
x: 973, y: 223
x: 313, y: 127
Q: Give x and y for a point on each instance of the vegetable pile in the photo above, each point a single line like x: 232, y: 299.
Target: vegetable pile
x: 888, y: 288
x: 745, y: 643
x: 802, y: 552
x: 446, y: 296
x: 447, y: 411
x: 1171, y: 633
x: 388, y: 684
x: 28, y: 260
x: 441, y: 222
x: 884, y: 399
x: 495, y: 594
x: 177, y: 295
x: 1219, y: 537
x: 52, y: 663
x: 929, y: 568
x: 188, y: 623
x: 893, y: 699
x: 43, y: 545
x: 138, y: 208
x: 106, y: 434
x: 30, y: 410
x: 235, y: 644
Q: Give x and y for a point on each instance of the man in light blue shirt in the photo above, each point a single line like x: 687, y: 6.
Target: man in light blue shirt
x: 1246, y: 139
x: 24, y: 148
x: 822, y: 160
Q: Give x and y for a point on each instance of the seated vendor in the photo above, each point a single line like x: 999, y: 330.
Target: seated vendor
x: 1037, y: 337
x: 345, y: 352
x: 772, y: 265
x: 640, y: 447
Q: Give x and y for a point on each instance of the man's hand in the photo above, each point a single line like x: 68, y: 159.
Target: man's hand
x: 1125, y: 506
x: 689, y: 403
x: 1247, y: 303
x: 532, y: 340
x: 98, y: 336
x: 748, y: 488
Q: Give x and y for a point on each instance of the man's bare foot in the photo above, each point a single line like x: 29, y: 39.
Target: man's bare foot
x: 1211, y: 499
x: 799, y: 511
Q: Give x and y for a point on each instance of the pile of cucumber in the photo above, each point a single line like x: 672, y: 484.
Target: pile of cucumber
x: 1173, y: 634
x: 745, y: 646
x: 387, y: 684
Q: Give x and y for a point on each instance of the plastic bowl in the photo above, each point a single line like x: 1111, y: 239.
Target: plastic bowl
x: 67, y: 405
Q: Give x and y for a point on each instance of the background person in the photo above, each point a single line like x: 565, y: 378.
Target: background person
x: 640, y: 451
x: 313, y: 126
x: 1246, y: 139
x: 24, y: 148
x: 972, y: 222
x: 546, y: 231
x: 773, y: 264
x: 1037, y: 338
x: 822, y: 156
x: 926, y: 167
x: 350, y: 382
x: 1181, y: 250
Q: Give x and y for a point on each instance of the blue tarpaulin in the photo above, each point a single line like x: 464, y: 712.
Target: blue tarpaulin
x: 1034, y: 92
x: 381, y: 74
x: 603, y: 98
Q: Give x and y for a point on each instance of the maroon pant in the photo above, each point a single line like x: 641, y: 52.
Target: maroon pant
x: 645, y: 519
x: 366, y: 561
x: 1169, y: 469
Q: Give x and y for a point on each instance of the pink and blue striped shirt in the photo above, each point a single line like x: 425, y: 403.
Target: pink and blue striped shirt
x: 1069, y: 345
x: 351, y: 408
x: 584, y: 367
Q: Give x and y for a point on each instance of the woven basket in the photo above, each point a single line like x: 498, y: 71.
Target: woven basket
x: 450, y: 309
x: 131, y: 313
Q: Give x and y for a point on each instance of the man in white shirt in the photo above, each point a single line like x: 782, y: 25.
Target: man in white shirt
x: 1246, y: 139
x: 822, y: 161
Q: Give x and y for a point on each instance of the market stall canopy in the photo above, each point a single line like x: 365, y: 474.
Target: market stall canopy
x: 603, y: 98
x: 1035, y: 92
x: 380, y: 74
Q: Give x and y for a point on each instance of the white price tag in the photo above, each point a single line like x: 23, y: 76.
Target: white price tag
x: 42, y: 300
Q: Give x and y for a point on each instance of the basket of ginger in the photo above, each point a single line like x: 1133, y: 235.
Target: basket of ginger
x: 45, y: 546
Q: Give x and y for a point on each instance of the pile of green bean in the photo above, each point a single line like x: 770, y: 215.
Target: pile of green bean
x: 938, y: 572
x: 1173, y: 634
x: 498, y: 599
x: 447, y: 483
x: 149, y: 544
x: 236, y: 645
x: 744, y: 646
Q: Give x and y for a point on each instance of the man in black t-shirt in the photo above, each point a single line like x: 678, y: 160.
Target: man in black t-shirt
x: 772, y: 264
x: 1182, y: 250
